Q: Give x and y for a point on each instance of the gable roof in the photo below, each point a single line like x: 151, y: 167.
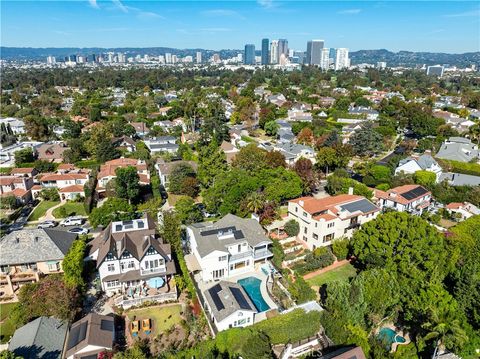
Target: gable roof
x: 167, y: 167
x: 403, y: 194
x: 41, y: 338
x: 35, y: 245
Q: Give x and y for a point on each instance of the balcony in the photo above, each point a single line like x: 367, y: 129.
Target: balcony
x: 241, y: 255
x: 261, y: 254
x: 149, y: 271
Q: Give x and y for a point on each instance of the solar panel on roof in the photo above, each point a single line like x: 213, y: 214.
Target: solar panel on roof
x: 77, y: 334
x: 238, y: 235
x: 363, y: 205
x: 217, y: 230
x: 106, y: 325
x: 216, y: 299
x: 240, y: 298
x: 414, y: 193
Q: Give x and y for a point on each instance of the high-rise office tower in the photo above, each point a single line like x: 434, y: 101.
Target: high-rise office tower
x: 174, y: 59
x: 282, y: 47
x: 274, y: 52
x: 265, y: 52
x: 121, y: 58
x: 341, y: 59
x: 249, y: 58
x: 325, y: 58
x: 51, y: 60
x: 198, y: 57
x: 436, y: 70
x: 73, y: 58
x: 314, y: 52
x: 161, y: 59
x: 168, y: 58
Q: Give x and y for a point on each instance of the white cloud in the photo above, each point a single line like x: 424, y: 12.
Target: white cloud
x: 93, y: 3
x: 120, y: 6
x: 267, y: 4
x: 470, y: 13
x: 350, y: 12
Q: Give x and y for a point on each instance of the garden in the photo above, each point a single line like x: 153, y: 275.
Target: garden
x: 41, y: 209
x: 70, y: 209
x: 7, y: 327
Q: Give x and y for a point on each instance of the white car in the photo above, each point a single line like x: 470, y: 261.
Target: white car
x: 78, y: 230
x: 72, y: 221
x: 47, y: 224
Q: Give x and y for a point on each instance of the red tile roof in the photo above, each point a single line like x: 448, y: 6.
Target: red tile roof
x: 313, y: 205
x: 72, y: 189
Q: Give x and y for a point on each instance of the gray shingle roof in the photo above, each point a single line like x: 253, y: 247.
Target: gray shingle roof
x: 424, y: 161
x: 35, y: 245
x: 41, y: 338
x: 458, y: 149
x: 243, y: 229
x: 460, y: 179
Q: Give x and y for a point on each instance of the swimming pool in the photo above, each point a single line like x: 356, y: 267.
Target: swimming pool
x: 252, y: 287
x: 389, y: 336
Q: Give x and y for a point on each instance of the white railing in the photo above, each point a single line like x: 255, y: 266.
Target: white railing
x: 235, y: 257
x: 153, y: 270
x: 262, y: 253
x: 127, y: 303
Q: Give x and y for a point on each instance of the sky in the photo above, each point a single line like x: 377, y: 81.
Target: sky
x: 437, y: 26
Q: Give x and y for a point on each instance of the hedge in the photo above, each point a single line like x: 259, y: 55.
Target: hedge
x: 460, y: 167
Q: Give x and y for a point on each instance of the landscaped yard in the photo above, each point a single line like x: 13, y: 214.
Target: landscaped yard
x: 40, y: 210
x: 344, y: 272
x: 163, y: 317
x: 71, y: 208
x: 7, y: 327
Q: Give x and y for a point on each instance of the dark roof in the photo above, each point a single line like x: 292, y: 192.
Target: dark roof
x: 414, y: 193
x: 345, y: 353
x: 41, y: 338
x: 94, y: 329
x: 364, y: 206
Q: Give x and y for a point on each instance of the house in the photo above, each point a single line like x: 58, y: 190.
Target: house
x: 141, y: 128
x: 65, y: 178
x: 228, y: 306
x: 16, y: 186
x: 363, y: 112
x: 163, y: 111
x: 133, y: 261
x: 413, y: 164
x: 166, y: 125
x: 324, y: 220
x: 459, y: 179
x: 7, y: 154
x: 326, y: 101
x: 459, y: 149
x: 107, y: 171
x: 228, y: 247
x: 349, y: 130
x: 89, y: 336
x: 51, y: 151
x: 294, y: 151
x: 408, y: 198
x: 344, y: 353
x: 71, y: 193
x: 162, y: 144
x: 125, y: 142
x: 463, y: 210
x: 229, y: 150
x: 28, y: 254
x: 165, y: 168
x: 278, y: 99
x: 41, y: 338
x: 16, y: 125
x: 29, y: 172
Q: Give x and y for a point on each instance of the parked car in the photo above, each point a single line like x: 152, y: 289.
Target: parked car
x: 17, y: 226
x: 72, y: 221
x: 78, y: 230
x: 47, y: 224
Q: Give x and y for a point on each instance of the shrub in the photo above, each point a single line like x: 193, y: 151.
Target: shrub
x: 320, y: 258
x: 292, y: 228
x: 49, y: 194
x: 340, y: 248
x: 300, y: 290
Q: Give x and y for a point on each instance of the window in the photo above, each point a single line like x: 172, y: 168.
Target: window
x: 111, y: 267
x: 126, y: 254
x: 328, y: 237
x: 242, y: 321
x: 222, y: 258
x: 296, y: 209
x: 4, y: 269
x: 305, y: 214
x: 315, y: 236
x: 305, y: 230
x: 316, y: 224
x: 113, y: 283
x: 305, y: 238
x: 151, y: 251
x: 53, y: 267
x: 239, y: 248
x: 330, y: 225
x: 110, y: 257
x: 131, y: 265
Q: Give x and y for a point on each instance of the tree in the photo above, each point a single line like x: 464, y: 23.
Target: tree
x: 49, y: 194
x: 105, y: 151
x: 187, y: 211
x: 24, y: 156
x: 37, y: 128
x: 304, y: 169
x: 274, y: 159
x: 425, y: 178
x: 340, y: 248
x: 255, y: 202
x: 292, y: 228
x: 271, y: 128
x: 127, y: 184
x: 8, y: 202
x: 6, y: 354
x: 113, y: 209
x: 366, y: 141
x: 326, y: 158
x: 250, y: 158
x: 44, y: 166
x: 305, y: 136
x: 72, y: 265
x: 212, y: 161
x: 179, y: 180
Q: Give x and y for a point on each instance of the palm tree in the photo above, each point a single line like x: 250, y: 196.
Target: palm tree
x: 256, y: 202
x: 447, y: 331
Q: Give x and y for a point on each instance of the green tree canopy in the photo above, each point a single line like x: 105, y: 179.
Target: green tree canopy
x: 127, y: 184
x: 113, y: 209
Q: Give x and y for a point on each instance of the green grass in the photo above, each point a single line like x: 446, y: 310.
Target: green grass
x: 71, y: 208
x: 7, y: 327
x: 162, y: 317
x: 344, y: 272
x: 41, y: 209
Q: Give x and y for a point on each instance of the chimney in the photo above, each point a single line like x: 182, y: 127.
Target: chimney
x: 301, y: 203
x: 350, y: 190
x: 17, y: 240
x: 36, y: 239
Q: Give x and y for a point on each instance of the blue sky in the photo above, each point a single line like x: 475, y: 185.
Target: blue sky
x: 417, y: 26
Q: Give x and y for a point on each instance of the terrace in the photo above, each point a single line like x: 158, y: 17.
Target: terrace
x: 146, y: 293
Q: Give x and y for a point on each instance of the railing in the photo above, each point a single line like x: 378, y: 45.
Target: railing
x: 263, y: 253
x: 127, y: 303
x: 235, y: 257
x: 153, y: 270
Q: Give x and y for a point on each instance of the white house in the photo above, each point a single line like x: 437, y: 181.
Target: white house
x: 228, y: 247
x: 228, y: 306
x: 133, y: 261
x: 17, y: 125
x: 67, y: 178
x: 294, y: 151
x: 324, y: 220
x: 413, y: 164
x: 162, y: 144
x: 7, y: 154
x: 408, y: 198
x: 463, y: 210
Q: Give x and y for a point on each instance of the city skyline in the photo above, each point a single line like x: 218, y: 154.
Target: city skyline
x: 432, y: 26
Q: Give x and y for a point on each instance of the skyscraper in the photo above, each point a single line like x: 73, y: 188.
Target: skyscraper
x: 341, y: 59
x: 265, y: 52
x: 199, y: 57
x: 168, y: 58
x: 249, y: 58
x: 282, y: 48
x: 325, y: 58
x: 314, y: 52
x: 274, y: 52
x: 51, y: 60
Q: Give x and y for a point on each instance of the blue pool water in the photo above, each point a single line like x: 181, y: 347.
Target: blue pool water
x: 252, y: 287
x: 390, y: 336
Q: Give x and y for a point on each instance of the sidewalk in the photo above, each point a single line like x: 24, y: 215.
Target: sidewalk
x: 326, y: 269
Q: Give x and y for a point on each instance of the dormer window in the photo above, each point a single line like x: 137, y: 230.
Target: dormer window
x: 126, y: 254
x: 151, y: 251
x: 110, y: 257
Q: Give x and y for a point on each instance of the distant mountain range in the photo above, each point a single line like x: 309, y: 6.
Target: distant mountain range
x: 401, y: 58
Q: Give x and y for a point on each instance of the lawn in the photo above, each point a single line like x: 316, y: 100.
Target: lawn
x: 71, y: 208
x: 7, y: 327
x: 41, y: 209
x: 344, y: 272
x: 162, y: 317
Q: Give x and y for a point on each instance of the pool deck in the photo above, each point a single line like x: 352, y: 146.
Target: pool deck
x: 398, y: 332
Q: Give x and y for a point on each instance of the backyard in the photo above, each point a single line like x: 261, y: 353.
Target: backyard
x: 163, y: 318
x: 7, y: 327
x: 41, y: 209
x: 340, y: 273
x: 70, y: 209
